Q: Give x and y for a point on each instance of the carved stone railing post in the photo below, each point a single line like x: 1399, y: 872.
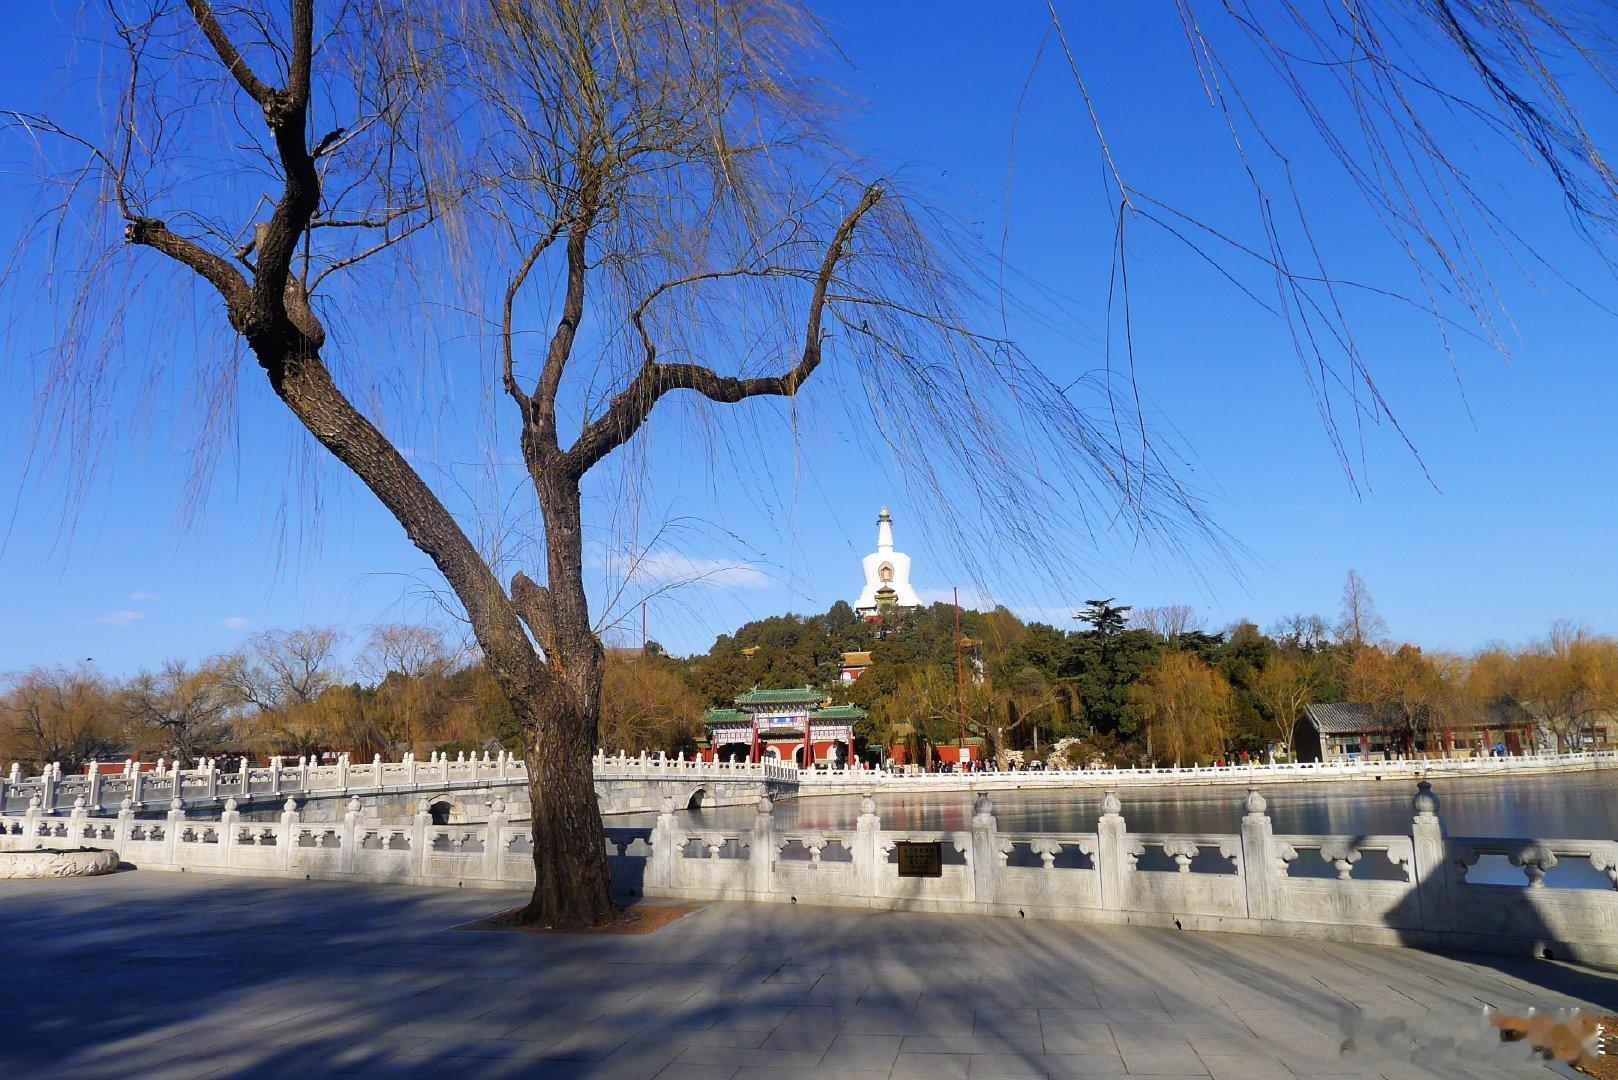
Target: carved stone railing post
x: 410, y: 768
x: 761, y: 853
x: 171, y: 834
x: 376, y: 771
x: 94, y: 782
x: 419, y: 845
x: 665, y: 849
x: 227, y: 829
x: 868, y: 853
x: 348, y: 838
x: 244, y: 782
x: 342, y: 772
x: 47, y: 791
x: 275, y: 776
x: 137, y: 786
x: 75, y: 820
x: 212, y: 771
x: 985, y: 850
x: 126, y: 823
x: 1435, y: 880
x: 288, y: 838
x: 1262, y: 868
x: 494, y: 843
x: 1112, y: 863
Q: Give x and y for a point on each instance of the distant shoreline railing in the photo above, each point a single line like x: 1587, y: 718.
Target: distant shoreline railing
x: 1279, y: 772
x: 1400, y: 889
x: 146, y: 786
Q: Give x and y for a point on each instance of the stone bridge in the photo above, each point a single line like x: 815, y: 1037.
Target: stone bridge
x: 455, y: 790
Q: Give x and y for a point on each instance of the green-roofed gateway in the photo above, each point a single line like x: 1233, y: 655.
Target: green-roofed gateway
x: 796, y: 724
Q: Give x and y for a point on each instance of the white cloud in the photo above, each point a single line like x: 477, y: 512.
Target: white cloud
x: 672, y: 566
x: 121, y: 618
x: 236, y: 622
x: 141, y: 597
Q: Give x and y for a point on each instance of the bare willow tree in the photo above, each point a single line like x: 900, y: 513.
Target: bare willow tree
x: 649, y: 190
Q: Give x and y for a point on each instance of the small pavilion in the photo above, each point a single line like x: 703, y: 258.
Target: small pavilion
x: 799, y: 725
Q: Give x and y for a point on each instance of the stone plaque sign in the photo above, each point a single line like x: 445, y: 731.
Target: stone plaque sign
x: 920, y: 859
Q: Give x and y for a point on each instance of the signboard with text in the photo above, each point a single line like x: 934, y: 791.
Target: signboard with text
x: 924, y: 859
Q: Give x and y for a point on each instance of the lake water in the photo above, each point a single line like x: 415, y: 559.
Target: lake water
x: 1579, y: 805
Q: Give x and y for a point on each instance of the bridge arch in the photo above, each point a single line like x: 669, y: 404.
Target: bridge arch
x: 699, y: 797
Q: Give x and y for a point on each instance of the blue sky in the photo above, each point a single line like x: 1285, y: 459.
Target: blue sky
x: 1514, y: 528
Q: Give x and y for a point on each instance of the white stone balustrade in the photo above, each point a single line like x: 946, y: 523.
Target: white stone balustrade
x: 1250, y: 881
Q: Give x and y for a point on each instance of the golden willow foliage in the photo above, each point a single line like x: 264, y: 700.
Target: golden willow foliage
x: 1186, y: 705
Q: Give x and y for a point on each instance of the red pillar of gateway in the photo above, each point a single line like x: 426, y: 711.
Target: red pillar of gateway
x: 808, y: 747
x: 848, y: 762
x: 752, y: 755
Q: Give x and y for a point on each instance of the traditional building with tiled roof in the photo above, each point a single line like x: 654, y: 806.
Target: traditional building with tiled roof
x: 797, y: 724
x: 1339, y: 731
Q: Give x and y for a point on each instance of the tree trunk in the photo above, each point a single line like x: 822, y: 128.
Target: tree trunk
x: 572, y: 883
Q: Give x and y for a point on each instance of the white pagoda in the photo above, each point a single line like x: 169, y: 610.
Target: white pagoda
x: 887, y: 574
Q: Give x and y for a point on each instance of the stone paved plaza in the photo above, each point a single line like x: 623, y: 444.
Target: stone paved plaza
x: 145, y: 974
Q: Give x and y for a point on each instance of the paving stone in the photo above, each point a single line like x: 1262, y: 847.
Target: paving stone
x: 685, y: 1070
x: 763, y: 1072
x: 909, y: 1066
x: 1245, y: 1067
x: 740, y: 1056
x: 862, y: 1051
x: 1162, y: 1061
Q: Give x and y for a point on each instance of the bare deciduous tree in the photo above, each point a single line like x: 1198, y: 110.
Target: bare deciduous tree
x: 1308, y: 633
x: 282, y: 670
x: 190, y: 708
x: 404, y: 649
x: 1358, y: 622
x: 1168, y: 621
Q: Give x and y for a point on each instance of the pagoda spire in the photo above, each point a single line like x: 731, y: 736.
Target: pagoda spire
x: 884, y: 531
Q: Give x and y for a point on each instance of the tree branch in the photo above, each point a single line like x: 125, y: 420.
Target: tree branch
x: 543, y: 407
x: 631, y: 406
x: 507, y: 360
x: 533, y: 604
x: 152, y: 233
x: 228, y: 54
